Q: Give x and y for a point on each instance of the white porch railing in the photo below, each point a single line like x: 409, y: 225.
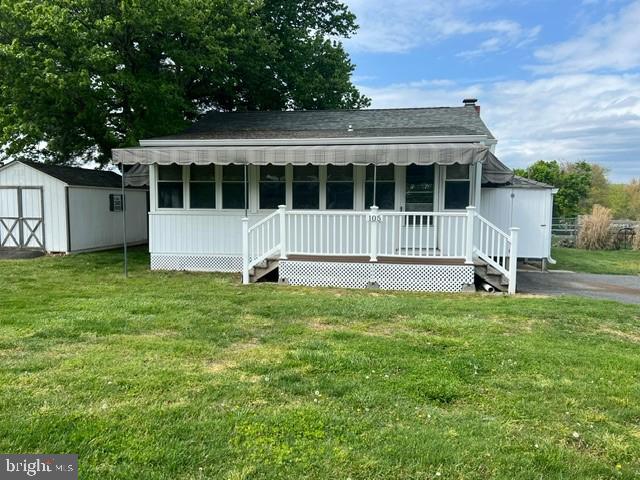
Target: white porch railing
x: 374, y: 233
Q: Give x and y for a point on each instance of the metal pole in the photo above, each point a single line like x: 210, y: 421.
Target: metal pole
x: 375, y: 186
x: 124, y: 225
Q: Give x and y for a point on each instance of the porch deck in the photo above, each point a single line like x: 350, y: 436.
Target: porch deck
x: 430, y: 260
x: 428, y: 251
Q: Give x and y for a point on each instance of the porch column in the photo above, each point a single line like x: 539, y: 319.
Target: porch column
x: 477, y: 187
x: 373, y: 234
x: 513, y: 259
x: 471, y: 222
x: 283, y: 231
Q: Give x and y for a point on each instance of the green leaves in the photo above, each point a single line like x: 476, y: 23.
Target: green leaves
x: 84, y: 76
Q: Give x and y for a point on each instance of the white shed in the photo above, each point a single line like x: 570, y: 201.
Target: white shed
x: 67, y: 209
x: 527, y: 205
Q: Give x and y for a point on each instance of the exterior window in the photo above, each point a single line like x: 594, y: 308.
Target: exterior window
x: 273, y: 187
x: 170, y: 186
x: 202, y: 186
x: 115, y: 202
x: 306, y: 187
x: 340, y: 187
x: 233, y: 194
x: 420, y: 181
x: 457, y: 188
x: 385, y: 187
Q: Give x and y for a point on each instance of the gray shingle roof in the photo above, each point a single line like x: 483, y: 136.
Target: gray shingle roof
x: 79, y: 177
x: 528, y: 183
x: 517, y: 182
x: 336, y: 124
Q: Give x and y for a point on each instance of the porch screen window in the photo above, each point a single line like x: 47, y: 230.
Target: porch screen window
x: 233, y: 195
x: 340, y: 187
x: 385, y: 187
x: 170, y: 186
x: 457, y: 188
x: 273, y: 187
x: 306, y: 187
x: 420, y: 181
x: 202, y: 186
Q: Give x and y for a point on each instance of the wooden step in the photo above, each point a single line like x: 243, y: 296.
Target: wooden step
x: 492, y: 276
x: 263, y: 269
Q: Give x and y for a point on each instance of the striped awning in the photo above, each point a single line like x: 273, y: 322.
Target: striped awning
x: 396, y: 154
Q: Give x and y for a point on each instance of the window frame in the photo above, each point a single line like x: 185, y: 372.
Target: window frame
x: 116, y: 203
x: 393, y: 182
x: 215, y: 187
x: 183, y: 181
x: 351, y: 182
x: 448, y: 180
x: 320, y: 182
x: 259, y: 182
x: 246, y: 200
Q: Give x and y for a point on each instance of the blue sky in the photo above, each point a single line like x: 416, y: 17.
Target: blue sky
x: 557, y: 80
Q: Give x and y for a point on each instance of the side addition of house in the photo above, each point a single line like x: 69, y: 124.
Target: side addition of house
x: 409, y: 199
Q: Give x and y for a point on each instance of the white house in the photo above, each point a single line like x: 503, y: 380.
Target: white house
x: 67, y: 209
x: 356, y: 198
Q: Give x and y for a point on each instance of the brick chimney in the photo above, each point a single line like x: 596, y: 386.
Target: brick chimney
x: 472, y: 102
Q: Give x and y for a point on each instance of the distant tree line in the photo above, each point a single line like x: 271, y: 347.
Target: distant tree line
x: 581, y: 185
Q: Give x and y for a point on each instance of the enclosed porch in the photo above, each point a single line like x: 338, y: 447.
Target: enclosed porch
x: 386, y: 216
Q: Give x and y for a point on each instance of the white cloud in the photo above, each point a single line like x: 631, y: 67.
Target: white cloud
x: 562, y: 117
x: 398, y: 26
x: 611, y: 44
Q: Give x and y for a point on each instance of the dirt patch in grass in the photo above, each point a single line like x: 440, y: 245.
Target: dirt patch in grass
x: 630, y: 337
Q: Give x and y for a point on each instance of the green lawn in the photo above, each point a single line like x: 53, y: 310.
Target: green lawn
x: 616, y: 262
x: 193, y: 376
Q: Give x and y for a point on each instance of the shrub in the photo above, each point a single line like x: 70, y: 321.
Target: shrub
x: 594, y: 231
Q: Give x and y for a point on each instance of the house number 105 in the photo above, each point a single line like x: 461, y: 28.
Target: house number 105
x: 375, y: 218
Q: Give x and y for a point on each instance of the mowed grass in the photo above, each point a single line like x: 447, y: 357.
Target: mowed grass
x: 615, y: 262
x: 193, y: 376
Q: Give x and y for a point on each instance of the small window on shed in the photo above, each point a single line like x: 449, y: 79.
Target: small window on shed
x: 115, y: 202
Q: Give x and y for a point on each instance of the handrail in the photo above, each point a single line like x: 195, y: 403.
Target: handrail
x: 373, y: 233
x: 264, y: 220
x: 498, y: 249
x: 492, y: 226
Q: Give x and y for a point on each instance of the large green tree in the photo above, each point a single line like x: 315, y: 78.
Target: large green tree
x: 573, y: 181
x: 80, y: 77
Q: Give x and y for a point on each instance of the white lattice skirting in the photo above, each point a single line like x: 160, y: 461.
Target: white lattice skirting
x: 196, y: 263
x: 422, y: 278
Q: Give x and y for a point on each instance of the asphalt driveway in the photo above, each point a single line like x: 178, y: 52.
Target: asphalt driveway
x: 621, y: 288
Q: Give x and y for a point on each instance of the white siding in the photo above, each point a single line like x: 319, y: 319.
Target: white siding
x: 93, y: 226
x: 198, y: 233
x: 528, y: 209
x: 55, y: 224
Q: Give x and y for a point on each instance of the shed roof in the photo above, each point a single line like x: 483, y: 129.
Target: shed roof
x: 523, y: 182
x: 76, y: 176
x: 440, y: 121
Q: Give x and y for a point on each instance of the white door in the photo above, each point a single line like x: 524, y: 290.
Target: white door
x: 32, y: 218
x: 9, y: 218
x: 21, y: 218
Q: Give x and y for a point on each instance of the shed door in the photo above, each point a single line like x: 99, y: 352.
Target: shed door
x: 21, y: 218
x: 9, y: 217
